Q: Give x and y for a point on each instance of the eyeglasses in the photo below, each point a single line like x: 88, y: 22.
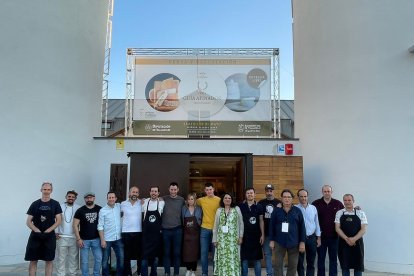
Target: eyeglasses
x: 286, y: 196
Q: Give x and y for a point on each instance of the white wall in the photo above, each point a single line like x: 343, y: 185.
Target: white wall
x: 354, y: 114
x: 52, y: 55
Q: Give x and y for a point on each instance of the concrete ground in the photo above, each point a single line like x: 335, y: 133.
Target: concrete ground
x: 22, y: 269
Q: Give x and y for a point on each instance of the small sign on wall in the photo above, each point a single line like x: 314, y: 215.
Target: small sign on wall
x: 283, y: 149
x: 120, y: 143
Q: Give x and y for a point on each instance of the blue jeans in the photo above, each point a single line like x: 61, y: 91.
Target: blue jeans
x: 330, y: 245
x: 144, y: 267
x: 95, y: 246
x: 118, y: 248
x: 310, y: 247
x: 172, y: 237
x: 268, y: 257
x: 345, y: 272
x: 206, y: 236
x: 257, y: 267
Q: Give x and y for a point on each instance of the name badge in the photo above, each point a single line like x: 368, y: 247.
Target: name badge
x: 225, y: 229
x: 285, y: 227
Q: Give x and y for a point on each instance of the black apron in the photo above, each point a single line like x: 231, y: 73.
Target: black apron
x: 191, y: 239
x: 151, y: 234
x: 251, y: 249
x: 351, y: 257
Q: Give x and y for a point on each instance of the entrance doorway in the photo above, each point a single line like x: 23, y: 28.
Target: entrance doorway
x: 228, y: 172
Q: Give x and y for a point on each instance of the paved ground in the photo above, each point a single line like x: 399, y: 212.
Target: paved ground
x: 22, y: 269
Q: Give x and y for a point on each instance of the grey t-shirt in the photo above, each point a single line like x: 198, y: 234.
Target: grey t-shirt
x: 171, y: 217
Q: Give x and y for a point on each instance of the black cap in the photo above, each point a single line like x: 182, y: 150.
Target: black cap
x: 89, y: 194
x: 269, y: 186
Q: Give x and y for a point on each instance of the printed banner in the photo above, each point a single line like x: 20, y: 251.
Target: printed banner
x: 208, y: 89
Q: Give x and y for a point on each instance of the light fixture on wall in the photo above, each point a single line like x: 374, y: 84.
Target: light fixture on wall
x: 411, y: 49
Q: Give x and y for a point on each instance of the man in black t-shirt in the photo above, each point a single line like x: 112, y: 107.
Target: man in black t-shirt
x: 85, y: 224
x: 43, y: 216
x: 268, y: 204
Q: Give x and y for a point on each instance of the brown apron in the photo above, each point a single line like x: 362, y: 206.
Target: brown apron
x: 191, y: 240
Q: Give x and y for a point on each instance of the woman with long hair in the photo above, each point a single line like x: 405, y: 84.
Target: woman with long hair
x: 192, y: 215
x: 227, y: 237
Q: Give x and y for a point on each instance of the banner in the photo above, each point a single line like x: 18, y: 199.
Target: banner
x: 179, y: 91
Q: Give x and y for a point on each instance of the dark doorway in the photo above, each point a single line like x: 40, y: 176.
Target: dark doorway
x: 228, y: 172
x: 159, y: 169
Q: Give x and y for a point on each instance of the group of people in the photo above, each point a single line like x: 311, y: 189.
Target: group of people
x: 237, y: 235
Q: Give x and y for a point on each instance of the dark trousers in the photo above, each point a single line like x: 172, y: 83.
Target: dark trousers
x: 310, y: 246
x: 172, y: 240
x: 330, y: 245
x: 132, y: 250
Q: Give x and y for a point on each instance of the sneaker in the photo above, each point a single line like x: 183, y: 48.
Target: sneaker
x: 192, y: 273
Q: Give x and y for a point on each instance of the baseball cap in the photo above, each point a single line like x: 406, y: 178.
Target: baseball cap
x: 89, y: 194
x: 269, y: 186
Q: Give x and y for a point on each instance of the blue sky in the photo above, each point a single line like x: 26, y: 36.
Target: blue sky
x: 201, y: 24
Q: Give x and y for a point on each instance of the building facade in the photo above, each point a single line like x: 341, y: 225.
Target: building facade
x: 354, y: 117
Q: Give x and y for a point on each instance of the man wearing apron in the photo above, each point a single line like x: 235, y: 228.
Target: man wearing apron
x: 351, y: 225
x: 151, y: 232
x: 251, y: 248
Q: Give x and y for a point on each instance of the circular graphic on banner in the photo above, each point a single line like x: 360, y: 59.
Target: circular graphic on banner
x: 161, y: 92
x: 256, y: 77
x: 204, y: 93
x: 241, y: 96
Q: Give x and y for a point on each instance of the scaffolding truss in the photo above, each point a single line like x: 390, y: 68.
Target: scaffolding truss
x: 105, y: 82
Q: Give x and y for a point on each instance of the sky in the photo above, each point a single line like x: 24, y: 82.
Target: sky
x: 201, y: 24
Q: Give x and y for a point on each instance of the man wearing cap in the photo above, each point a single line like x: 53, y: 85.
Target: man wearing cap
x: 85, y: 224
x: 67, y: 249
x: 268, y: 205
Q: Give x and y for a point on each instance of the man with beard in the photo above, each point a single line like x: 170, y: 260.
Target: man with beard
x: 66, y: 242
x: 151, y: 231
x: 131, y: 230
x: 43, y: 216
x: 268, y: 205
x: 85, y: 224
x: 109, y: 228
x: 251, y: 248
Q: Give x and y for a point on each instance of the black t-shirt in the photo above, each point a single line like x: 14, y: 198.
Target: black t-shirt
x: 44, y: 213
x: 88, y: 222
x: 268, y: 206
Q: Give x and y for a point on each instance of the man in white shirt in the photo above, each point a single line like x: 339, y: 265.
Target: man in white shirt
x: 151, y: 231
x: 131, y: 229
x: 109, y: 227
x: 67, y: 249
x: 313, y: 234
